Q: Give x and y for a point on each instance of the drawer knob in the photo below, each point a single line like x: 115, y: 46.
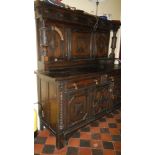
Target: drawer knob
x: 96, y: 81
x: 75, y: 86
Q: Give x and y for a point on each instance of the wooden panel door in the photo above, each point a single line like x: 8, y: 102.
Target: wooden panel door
x: 102, y: 98
x: 117, y: 90
x: 81, y: 44
x: 56, y: 42
x: 101, y: 45
x: 77, y: 107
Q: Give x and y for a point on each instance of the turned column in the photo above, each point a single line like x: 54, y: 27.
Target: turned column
x: 114, y: 27
x: 44, y: 41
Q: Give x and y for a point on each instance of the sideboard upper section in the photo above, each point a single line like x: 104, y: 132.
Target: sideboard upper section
x: 70, y: 38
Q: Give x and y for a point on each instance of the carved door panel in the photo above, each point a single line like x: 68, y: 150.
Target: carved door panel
x: 56, y: 42
x: 102, y: 98
x: 81, y: 45
x: 101, y: 44
x: 117, y: 91
x: 77, y: 107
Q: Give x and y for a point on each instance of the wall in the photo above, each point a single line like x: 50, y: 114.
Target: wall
x: 112, y: 7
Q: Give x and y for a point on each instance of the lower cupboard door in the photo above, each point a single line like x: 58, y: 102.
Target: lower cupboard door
x: 77, y: 107
x: 102, y: 99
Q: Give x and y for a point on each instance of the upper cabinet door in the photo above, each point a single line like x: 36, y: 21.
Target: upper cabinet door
x: 101, y: 44
x: 56, y: 42
x: 81, y: 44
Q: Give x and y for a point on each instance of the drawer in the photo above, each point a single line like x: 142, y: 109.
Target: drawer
x: 86, y: 82
x: 77, y: 84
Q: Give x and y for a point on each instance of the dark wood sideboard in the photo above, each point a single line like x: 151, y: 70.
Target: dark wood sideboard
x: 77, y: 80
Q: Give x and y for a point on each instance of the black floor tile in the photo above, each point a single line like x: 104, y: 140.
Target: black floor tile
x: 95, y: 124
x: 109, y: 116
x: 102, y: 119
x: 96, y: 136
x: 112, y: 125
x: 85, y: 129
x: 104, y: 130
x: 84, y: 143
x: 72, y: 151
x: 76, y: 135
x: 108, y: 145
x: 40, y: 140
x: 48, y: 149
x: 116, y: 137
x: 97, y: 152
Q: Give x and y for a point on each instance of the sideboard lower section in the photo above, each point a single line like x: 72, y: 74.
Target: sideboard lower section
x: 70, y: 103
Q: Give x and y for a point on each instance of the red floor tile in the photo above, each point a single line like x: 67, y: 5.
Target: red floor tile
x: 75, y: 142
x: 96, y: 144
x: 114, y: 131
x: 95, y: 129
x: 85, y: 135
x: 38, y: 148
x: 106, y: 137
x: 103, y: 125
x: 51, y: 140
x: 44, y: 133
x: 111, y: 120
x: 117, y: 146
x: 84, y: 151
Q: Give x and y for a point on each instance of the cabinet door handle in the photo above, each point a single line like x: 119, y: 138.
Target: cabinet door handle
x: 75, y: 86
x: 96, y: 81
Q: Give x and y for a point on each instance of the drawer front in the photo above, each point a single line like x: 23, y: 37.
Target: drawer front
x: 77, y: 107
x: 83, y: 83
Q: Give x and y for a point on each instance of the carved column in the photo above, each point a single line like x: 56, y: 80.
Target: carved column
x: 113, y: 45
x: 44, y: 41
x: 114, y: 27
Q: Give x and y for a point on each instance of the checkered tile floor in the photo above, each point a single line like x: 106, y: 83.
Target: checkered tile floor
x: 102, y: 137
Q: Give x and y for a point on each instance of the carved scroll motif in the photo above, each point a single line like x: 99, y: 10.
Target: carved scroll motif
x: 56, y: 40
x: 54, y: 28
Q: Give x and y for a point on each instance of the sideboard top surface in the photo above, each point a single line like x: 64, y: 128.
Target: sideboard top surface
x: 66, y: 75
